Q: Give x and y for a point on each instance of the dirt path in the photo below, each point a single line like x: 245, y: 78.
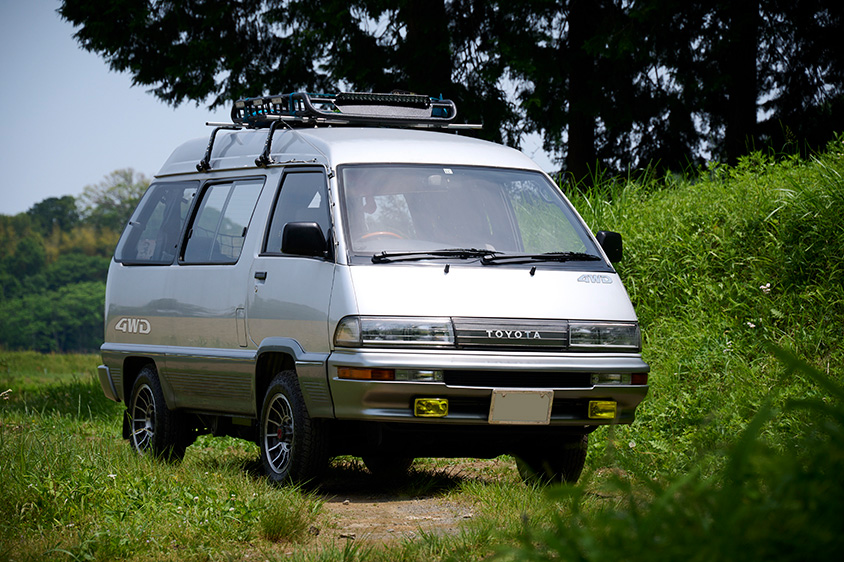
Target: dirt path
x: 360, y: 508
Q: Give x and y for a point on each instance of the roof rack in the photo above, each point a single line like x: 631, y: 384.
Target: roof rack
x: 347, y: 108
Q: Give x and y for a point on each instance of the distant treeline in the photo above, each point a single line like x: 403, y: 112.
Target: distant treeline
x: 53, y: 264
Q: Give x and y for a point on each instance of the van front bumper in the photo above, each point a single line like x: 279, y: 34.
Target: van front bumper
x: 470, y: 379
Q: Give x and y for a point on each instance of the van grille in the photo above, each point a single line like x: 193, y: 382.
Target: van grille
x: 511, y: 333
x: 516, y: 379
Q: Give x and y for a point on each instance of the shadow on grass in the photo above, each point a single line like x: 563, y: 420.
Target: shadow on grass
x: 348, y: 478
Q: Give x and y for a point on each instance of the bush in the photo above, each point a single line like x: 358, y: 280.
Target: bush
x: 765, y: 504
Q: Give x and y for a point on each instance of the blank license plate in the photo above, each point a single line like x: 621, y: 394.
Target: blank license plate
x: 512, y: 406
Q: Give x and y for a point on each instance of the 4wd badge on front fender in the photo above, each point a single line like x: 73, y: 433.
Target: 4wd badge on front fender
x: 599, y: 279
x: 133, y: 326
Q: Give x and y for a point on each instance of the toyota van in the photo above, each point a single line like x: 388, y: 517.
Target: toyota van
x: 347, y: 274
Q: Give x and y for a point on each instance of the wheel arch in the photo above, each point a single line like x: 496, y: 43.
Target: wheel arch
x: 280, y: 354
x: 132, y: 366
x: 268, y: 365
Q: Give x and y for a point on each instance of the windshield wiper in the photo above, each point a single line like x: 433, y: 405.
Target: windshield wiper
x: 500, y: 258
x: 459, y: 253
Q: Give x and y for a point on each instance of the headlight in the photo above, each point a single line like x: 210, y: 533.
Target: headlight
x: 605, y: 335
x: 387, y: 331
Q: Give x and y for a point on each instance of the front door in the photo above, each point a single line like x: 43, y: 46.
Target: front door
x: 288, y: 295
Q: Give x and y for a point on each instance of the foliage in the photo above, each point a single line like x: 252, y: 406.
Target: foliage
x: 109, y: 204
x: 765, y: 504
x: 609, y: 85
x: 53, y: 264
x: 69, y: 318
x: 717, y: 265
x: 54, y: 212
x: 226, y: 50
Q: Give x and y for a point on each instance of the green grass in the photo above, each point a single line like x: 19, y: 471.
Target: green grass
x: 718, y: 266
x: 43, y: 368
x: 74, y: 490
x: 766, y: 503
x: 736, y: 452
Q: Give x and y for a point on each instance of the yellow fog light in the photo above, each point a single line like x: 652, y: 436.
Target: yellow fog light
x: 602, y: 409
x: 430, y: 407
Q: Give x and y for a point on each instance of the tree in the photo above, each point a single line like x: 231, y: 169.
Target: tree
x: 109, y: 204
x: 588, y: 80
x: 801, y: 76
x: 53, y: 212
x: 222, y: 50
x: 615, y: 84
x: 735, y: 62
x: 68, y: 319
x: 29, y: 257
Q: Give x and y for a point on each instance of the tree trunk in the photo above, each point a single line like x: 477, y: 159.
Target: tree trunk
x: 426, y: 53
x: 742, y: 88
x: 581, y: 158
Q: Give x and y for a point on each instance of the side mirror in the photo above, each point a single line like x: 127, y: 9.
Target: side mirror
x: 611, y: 244
x: 303, y: 239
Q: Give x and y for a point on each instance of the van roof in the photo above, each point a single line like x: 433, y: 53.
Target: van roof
x: 333, y: 146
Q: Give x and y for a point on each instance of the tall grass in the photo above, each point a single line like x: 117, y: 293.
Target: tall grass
x: 764, y: 504
x: 46, y: 367
x: 718, y: 265
x: 72, y: 489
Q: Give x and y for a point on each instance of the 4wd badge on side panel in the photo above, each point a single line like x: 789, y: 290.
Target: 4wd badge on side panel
x: 133, y: 326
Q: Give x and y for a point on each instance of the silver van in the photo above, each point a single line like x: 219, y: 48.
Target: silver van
x: 345, y: 275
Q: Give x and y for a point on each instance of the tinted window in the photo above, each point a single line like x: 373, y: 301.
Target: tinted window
x: 303, y: 198
x: 152, y: 235
x: 222, y: 219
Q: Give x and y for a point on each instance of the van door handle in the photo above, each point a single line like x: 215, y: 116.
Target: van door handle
x: 261, y: 275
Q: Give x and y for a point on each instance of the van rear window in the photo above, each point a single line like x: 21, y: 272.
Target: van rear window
x: 152, y: 235
x: 217, y: 232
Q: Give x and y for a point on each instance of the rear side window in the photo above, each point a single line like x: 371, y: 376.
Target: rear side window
x: 219, y: 227
x: 152, y: 235
x: 303, y: 198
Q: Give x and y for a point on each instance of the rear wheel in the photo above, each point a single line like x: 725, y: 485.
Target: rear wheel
x: 561, y: 466
x: 388, y: 468
x: 153, y: 427
x: 294, y: 447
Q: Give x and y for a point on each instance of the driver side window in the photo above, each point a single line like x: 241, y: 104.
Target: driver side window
x: 303, y: 198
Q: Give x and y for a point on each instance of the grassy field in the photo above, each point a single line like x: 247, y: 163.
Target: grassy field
x: 738, y: 278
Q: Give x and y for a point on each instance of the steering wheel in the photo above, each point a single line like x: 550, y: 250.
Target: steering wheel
x: 381, y: 233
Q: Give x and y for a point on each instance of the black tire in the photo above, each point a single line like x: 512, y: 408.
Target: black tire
x: 562, y: 466
x: 153, y: 427
x: 294, y: 447
x: 388, y: 468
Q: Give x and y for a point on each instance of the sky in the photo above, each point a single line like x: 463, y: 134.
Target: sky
x: 71, y: 121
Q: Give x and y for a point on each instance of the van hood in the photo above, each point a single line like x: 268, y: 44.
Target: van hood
x: 488, y: 292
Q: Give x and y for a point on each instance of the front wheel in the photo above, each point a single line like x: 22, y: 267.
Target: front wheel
x: 153, y: 427
x: 294, y: 447
x: 554, y: 467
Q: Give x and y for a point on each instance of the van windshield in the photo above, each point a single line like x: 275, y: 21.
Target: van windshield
x: 420, y: 208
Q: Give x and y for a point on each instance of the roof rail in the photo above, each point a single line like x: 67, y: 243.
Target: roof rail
x: 346, y: 108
